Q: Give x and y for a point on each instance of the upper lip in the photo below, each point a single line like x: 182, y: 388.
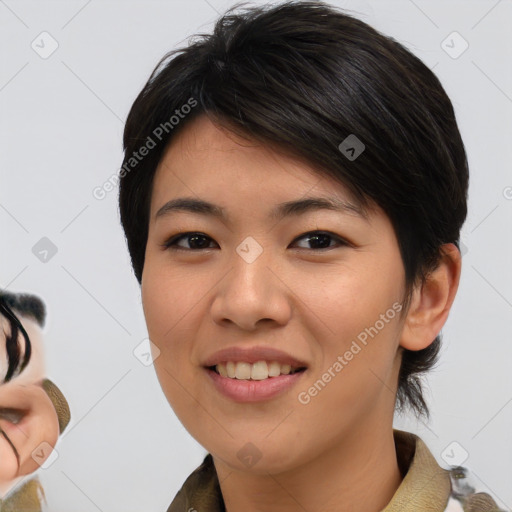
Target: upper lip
x: 253, y: 355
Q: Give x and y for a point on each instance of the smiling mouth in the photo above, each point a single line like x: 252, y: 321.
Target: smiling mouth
x: 261, y: 370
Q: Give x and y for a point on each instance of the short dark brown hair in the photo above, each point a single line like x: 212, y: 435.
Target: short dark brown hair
x: 12, y: 305
x: 304, y: 76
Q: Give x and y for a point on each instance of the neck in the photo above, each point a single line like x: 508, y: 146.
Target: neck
x: 359, y: 473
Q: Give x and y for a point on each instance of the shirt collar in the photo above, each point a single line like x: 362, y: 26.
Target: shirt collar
x: 425, y: 485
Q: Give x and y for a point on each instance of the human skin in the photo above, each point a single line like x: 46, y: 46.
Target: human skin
x: 308, y: 302
x: 28, y: 419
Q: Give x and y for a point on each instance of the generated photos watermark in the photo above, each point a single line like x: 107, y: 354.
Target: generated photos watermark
x: 157, y: 135
x: 305, y: 397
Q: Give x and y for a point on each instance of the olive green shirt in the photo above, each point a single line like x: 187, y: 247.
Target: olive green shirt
x: 426, y: 486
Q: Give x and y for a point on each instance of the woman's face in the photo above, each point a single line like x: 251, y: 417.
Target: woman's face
x: 250, y: 284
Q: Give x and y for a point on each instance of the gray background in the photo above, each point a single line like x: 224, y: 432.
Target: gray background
x: 61, y: 125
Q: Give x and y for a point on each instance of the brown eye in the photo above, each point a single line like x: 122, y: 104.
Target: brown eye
x: 12, y: 415
x: 197, y: 241
x: 321, y: 240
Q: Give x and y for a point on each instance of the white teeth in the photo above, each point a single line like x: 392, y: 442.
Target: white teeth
x: 243, y: 371
x: 286, y: 369
x: 260, y: 370
x: 221, y: 368
x: 274, y: 369
x: 230, y: 369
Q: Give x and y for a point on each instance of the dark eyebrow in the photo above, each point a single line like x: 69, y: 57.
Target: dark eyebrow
x: 286, y: 209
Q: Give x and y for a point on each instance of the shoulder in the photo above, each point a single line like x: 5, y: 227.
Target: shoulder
x: 200, y: 492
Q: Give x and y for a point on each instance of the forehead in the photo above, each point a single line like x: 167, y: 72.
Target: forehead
x: 205, y: 159
x: 202, y: 145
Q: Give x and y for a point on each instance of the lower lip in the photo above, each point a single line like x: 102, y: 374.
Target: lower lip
x: 242, y: 390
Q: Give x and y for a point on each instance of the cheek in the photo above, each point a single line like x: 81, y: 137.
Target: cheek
x: 43, y: 434
x: 8, y: 463
x: 172, y: 308
x: 353, y: 316
x: 163, y: 300
x: 348, y: 301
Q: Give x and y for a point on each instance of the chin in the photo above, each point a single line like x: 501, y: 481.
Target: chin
x: 258, y: 457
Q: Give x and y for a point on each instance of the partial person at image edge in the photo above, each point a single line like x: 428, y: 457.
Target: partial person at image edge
x: 25, y: 315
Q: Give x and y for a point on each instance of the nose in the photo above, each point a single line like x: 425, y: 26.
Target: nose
x: 252, y: 292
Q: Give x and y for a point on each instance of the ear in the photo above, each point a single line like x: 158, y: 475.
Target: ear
x: 431, y: 302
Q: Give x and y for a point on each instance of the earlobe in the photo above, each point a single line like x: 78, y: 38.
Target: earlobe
x: 431, y: 301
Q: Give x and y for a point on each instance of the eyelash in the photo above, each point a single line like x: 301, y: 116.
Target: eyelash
x: 170, y: 243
